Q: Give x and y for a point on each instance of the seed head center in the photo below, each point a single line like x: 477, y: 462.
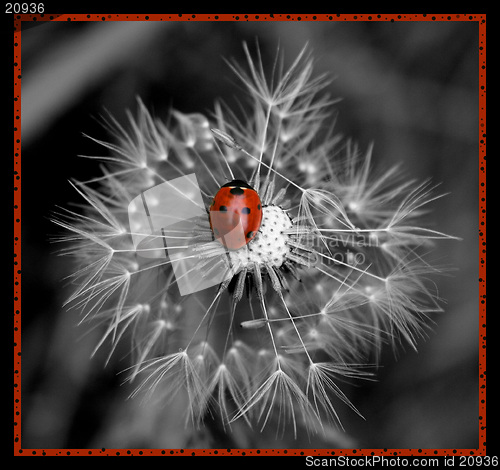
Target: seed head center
x: 270, y: 245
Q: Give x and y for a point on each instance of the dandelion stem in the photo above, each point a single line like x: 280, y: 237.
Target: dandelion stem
x: 263, y: 144
x: 349, y: 266
x: 216, y: 298
x: 164, y: 263
x: 207, y: 167
x: 402, y: 230
x: 275, y: 148
x: 277, y: 172
x: 264, y: 309
x: 295, y: 327
x: 223, y: 156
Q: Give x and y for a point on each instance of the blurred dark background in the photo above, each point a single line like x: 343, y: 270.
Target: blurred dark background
x: 411, y: 88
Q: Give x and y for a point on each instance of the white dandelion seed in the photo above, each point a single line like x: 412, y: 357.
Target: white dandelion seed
x: 335, y: 270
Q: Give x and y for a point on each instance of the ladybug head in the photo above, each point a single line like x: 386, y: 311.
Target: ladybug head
x: 239, y: 183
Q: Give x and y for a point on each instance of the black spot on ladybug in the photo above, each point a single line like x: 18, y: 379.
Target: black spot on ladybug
x: 245, y: 210
x: 237, y: 191
x: 249, y: 234
x: 223, y: 209
x: 258, y: 207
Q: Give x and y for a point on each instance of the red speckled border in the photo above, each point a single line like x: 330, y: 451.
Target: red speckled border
x: 389, y: 453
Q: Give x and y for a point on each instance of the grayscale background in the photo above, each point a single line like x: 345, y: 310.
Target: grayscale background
x: 411, y: 88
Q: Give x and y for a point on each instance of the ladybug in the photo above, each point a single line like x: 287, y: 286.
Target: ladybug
x: 235, y: 214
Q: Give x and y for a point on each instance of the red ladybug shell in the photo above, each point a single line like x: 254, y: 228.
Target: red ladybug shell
x: 235, y: 214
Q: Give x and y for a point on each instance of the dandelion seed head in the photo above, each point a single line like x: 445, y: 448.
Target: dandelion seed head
x: 334, y: 272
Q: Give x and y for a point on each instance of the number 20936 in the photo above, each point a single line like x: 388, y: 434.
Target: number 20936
x: 479, y: 460
x: 24, y: 8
